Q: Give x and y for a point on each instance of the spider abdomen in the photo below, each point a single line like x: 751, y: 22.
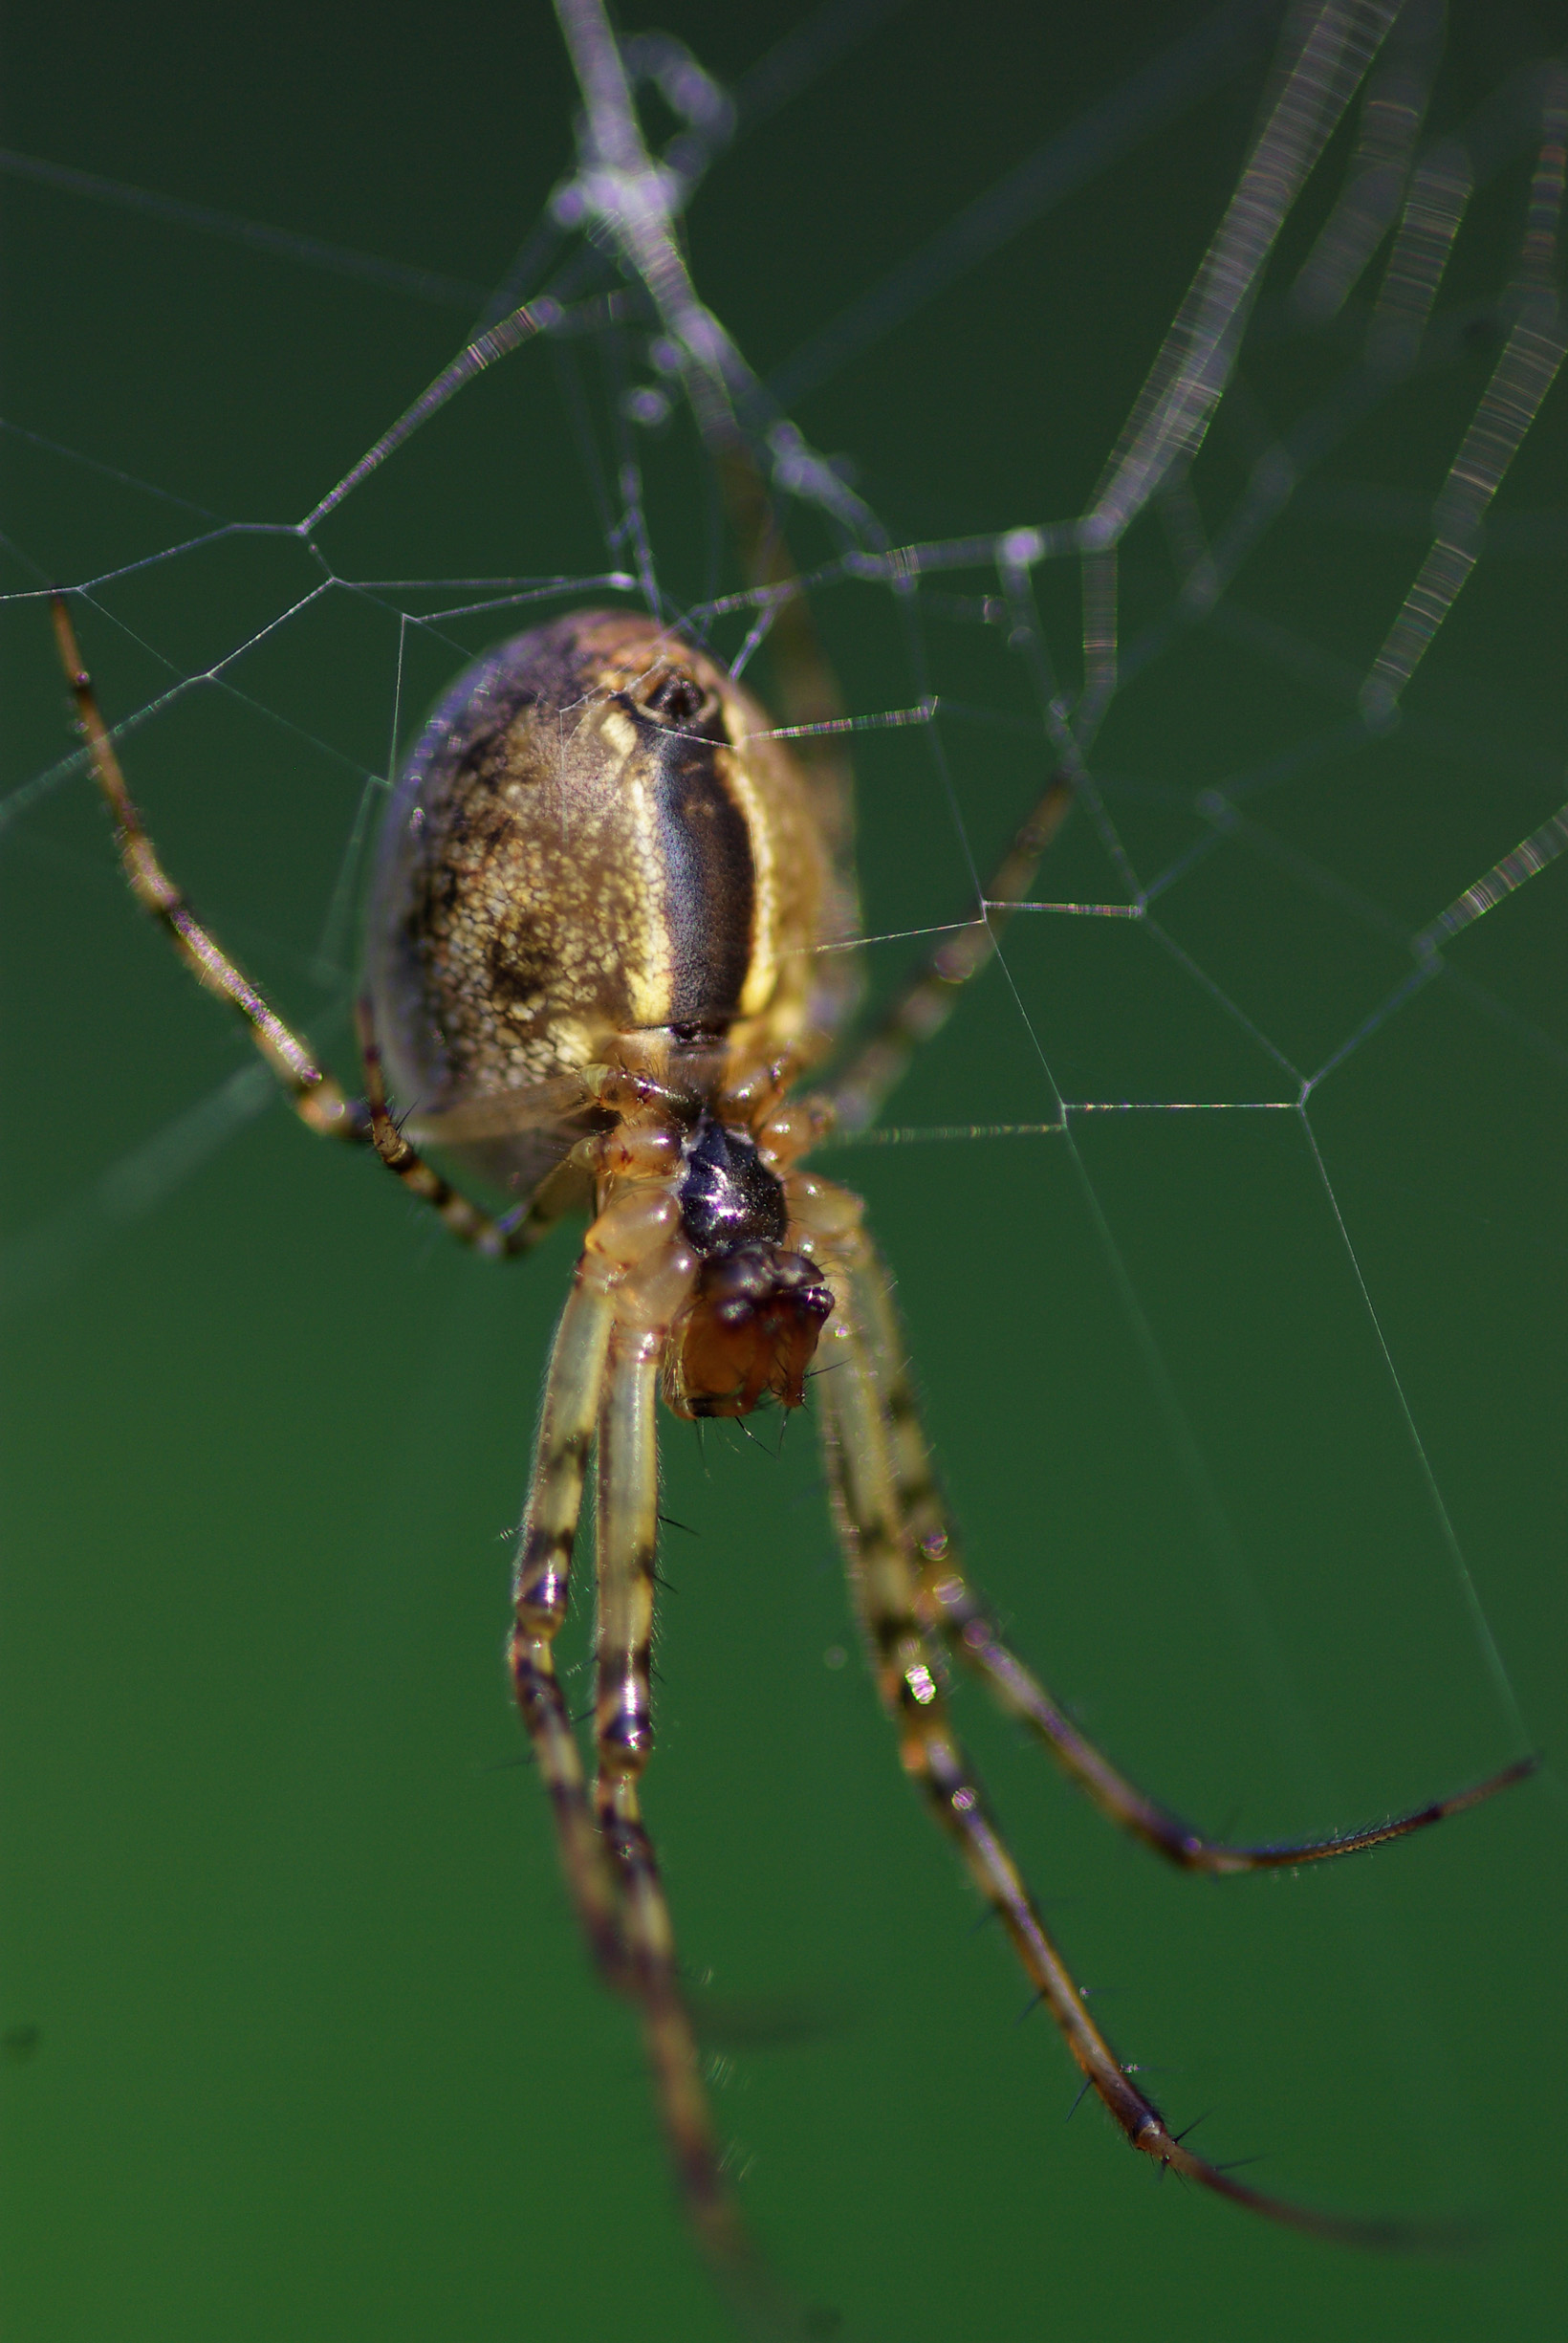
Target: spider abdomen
x: 594, y: 837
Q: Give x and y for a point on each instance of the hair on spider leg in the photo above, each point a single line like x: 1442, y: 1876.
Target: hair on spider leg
x: 783, y: 2020
x: 991, y: 1917
x: 1132, y: 2066
x: 1085, y: 1993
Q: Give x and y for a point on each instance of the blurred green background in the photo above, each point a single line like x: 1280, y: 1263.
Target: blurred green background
x: 296, y: 2037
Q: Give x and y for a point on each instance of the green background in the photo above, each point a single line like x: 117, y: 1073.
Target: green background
x: 298, y: 2036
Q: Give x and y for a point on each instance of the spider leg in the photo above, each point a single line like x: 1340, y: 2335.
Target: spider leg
x: 627, y: 1523
x: 925, y: 1001
x: 498, y: 1238
x: 315, y: 1096
x: 627, y: 1534
x: 879, y: 1539
x: 603, y: 1374
x: 541, y: 1589
x: 951, y: 1606
x: 631, y: 1281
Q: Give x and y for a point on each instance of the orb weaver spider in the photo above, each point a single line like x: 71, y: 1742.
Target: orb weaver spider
x: 595, y: 959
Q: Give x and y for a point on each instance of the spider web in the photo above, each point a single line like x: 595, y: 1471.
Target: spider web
x: 1235, y: 508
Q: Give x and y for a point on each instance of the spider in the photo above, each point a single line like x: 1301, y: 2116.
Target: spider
x: 595, y: 959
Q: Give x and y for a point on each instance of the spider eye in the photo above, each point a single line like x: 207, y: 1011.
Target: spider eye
x: 672, y: 697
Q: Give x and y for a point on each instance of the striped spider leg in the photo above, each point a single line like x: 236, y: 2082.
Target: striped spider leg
x: 916, y: 1605
x: 951, y: 1608
x: 316, y: 1098
x: 634, y: 1275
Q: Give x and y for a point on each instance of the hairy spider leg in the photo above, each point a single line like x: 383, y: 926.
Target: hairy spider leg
x: 626, y: 1515
x: 950, y: 1605
x: 860, y: 1443
x: 503, y: 1238
x: 316, y: 1097
x: 603, y: 1381
x: 541, y: 1592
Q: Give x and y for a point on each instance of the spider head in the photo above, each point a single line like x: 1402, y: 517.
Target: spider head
x: 748, y: 1334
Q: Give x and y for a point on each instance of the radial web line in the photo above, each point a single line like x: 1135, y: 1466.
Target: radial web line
x: 1434, y: 210
x: 1482, y: 1625
x: 1175, y: 408
x: 1523, y: 375
x: 1392, y: 111
x: 1161, y: 91
x: 496, y: 342
x: 1246, y: 1599
x: 890, y: 719
x: 1529, y: 858
x: 308, y: 252
x: 56, y: 1248
x: 329, y: 968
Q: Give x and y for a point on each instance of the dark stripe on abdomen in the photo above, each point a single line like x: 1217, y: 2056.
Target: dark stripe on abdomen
x: 710, y: 885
